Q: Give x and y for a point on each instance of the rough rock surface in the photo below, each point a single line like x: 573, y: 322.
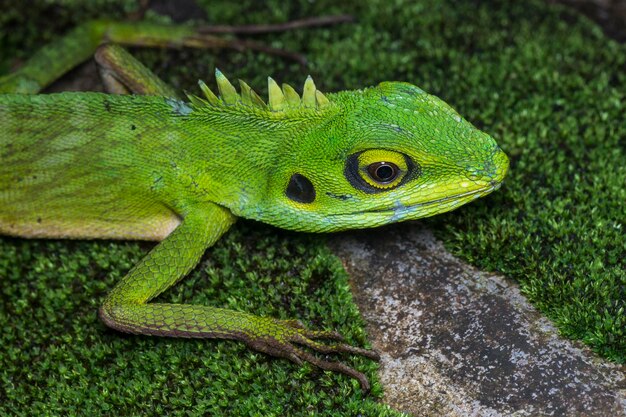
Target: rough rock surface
x: 459, y: 342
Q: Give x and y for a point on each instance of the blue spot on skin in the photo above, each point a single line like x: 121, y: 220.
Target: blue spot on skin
x: 398, y: 211
x: 179, y: 107
x: 401, y: 212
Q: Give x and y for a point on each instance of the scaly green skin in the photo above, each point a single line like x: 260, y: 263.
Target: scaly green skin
x: 90, y: 165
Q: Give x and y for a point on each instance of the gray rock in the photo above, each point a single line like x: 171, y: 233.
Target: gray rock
x: 459, y: 342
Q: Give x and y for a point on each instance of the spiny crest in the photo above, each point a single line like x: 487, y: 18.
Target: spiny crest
x: 280, y: 98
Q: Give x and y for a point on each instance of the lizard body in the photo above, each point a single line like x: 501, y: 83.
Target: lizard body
x: 92, y: 165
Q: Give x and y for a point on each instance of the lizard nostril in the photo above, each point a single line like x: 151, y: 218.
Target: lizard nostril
x: 500, y: 165
x: 492, y: 171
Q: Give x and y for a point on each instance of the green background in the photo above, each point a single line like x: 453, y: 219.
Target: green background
x: 546, y: 83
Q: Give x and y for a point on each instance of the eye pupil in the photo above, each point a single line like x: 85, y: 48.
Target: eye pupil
x: 383, y: 172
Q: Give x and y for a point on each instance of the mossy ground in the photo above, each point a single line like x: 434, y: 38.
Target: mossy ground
x: 544, y: 82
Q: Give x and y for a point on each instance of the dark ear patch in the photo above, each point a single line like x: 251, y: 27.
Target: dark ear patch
x: 300, y: 189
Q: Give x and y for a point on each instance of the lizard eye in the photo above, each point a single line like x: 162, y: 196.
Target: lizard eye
x: 383, y: 172
x: 377, y: 170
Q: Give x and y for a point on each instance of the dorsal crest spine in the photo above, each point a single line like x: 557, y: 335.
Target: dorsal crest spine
x: 279, y: 99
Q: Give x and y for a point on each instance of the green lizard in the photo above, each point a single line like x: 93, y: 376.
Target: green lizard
x: 155, y: 166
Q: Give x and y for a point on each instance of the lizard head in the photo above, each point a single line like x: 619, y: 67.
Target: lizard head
x: 366, y: 158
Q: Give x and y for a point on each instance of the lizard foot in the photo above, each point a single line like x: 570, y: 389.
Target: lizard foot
x: 281, y: 337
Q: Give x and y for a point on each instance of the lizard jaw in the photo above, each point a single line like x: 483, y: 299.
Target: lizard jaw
x: 411, y: 207
x: 400, y: 212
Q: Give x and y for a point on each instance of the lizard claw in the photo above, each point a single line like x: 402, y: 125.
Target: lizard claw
x: 280, y: 338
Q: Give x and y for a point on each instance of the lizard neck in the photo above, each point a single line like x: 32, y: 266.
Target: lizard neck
x: 231, y: 152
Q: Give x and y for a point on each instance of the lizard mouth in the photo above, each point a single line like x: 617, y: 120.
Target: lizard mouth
x: 461, y: 196
x: 406, y: 209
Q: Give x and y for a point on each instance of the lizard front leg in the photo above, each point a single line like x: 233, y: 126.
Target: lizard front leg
x: 126, y: 308
x: 121, y: 73
x: 55, y: 59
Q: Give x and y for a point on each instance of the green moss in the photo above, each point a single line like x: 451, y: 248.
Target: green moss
x: 58, y: 359
x: 545, y: 82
